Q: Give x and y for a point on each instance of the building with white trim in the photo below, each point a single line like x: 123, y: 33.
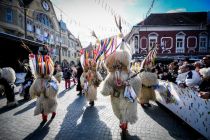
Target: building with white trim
x: 177, y: 34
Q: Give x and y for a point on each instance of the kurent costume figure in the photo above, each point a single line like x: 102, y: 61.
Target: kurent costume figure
x: 149, y: 81
x: 44, y: 87
x: 7, y: 80
x: 58, y: 74
x: 90, y: 81
x: 123, y: 92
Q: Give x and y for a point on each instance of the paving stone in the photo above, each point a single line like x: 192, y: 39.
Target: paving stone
x: 75, y: 120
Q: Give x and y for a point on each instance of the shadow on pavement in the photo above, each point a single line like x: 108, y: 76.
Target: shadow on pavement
x: 75, y: 110
x: 83, y: 123
x: 171, y: 122
x: 127, y: 136
x: 91, y: 127
x: 62, y: 93
x: 40, y: 133
x: 7, y: 108
x: 30, y: 106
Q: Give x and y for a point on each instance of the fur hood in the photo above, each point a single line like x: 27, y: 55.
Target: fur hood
x: 90, y: 64
x: 8, y: 73
x: 118, y: 59
x: 148, y: 78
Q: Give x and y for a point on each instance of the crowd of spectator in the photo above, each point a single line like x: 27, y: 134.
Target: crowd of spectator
x: 186, y: 74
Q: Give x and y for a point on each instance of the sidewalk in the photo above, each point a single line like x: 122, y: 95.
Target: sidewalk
x: 76, y: 120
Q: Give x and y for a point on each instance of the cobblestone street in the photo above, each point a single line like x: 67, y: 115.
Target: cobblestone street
x: 76, y: 120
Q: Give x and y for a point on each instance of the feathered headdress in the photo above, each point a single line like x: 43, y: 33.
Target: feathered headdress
x: 41, y: 65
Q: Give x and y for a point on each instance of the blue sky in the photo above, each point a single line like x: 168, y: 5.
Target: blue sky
x: 140, y: 7
x: 189, y: 5
x: 83, y: 16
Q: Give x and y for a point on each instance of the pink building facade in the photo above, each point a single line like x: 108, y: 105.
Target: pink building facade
x: 186, y: 34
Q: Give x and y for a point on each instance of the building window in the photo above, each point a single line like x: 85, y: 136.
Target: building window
x: 51, y: 38
x: 9, y: 15
x: 69, y: 54
x: 180, y: 41
x: 63, y: 52
x: 152, y: 40
x: 179, y: 45
x: 38, y: 30
x: 57, y: 51
x: 203, y: 43
x: 136, y: 44
x: 21, y: 21
x: 44, y: 19
x: 57, y: 38
x: 29, y: 26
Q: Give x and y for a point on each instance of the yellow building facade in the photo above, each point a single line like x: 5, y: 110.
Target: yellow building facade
x: 41, y: 25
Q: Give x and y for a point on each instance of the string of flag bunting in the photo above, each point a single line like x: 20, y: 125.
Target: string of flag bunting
x: 113, y: 12
x: 102, y: 28
x: 103, y: 48
x: 149, y: 60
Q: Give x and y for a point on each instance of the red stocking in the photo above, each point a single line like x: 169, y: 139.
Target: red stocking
x: 44, y: 117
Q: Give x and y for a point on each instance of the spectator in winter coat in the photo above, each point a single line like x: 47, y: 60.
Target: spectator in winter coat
x: 74, y: 72
x: 173, y: 72
x: 190, y: 78
x: 204, y: 86
x: 78, y: 75
x: 67, y: 76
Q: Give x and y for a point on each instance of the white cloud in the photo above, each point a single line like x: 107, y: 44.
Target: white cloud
x: 177, y: 10
x: 131, y: 2
x: 91, y: 14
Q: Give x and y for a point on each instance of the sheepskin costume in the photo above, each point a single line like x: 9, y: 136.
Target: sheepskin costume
x: 44, y: 87
x: 59, y: 73
x: 102, y: 68
x: 118, y: 66
x: 148, y: 80
x: 204, y: 86
x: 205, y: 72
x: 90, y: 81
x: 58, y: 76
x: 8, y: 73
x: 7, y: 80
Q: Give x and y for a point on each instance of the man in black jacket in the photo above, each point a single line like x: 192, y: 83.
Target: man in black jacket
x: 79, y: 73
